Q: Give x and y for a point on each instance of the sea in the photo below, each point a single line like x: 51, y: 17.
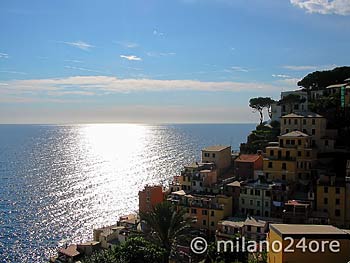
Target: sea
x: 59, y: 182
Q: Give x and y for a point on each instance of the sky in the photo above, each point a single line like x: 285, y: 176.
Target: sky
x: 161, y: 61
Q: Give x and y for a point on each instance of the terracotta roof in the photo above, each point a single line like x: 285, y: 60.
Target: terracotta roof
x: 70, y: 251
x: 216, y: 148
x: 247, y: 158
x: 295, y: 134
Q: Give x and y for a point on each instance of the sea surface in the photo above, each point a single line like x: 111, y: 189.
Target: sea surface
x: 58, y: 182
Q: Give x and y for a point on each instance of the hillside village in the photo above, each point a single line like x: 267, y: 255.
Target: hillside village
x: 291, y: 177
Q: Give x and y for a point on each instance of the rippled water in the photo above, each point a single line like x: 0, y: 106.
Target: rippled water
x: 59, y: 182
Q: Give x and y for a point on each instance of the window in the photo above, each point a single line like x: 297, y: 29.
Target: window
x: 204, y: 222
x: 337, y: 201
x: 251, y: 192
x: 299, y: 142
x: 258, y: 229
x: 193, y: 211
x: 325, y: 189
x: 313, y: 121
x: 267, y: 175
x: 308, y: 154
x: 206, y: 155
x: 337, y: 190
x: 213, y: 155
x: 266, y: 204
x: 287, y: 141
x: 313, y: 131
x: 266, y: 213
x: 212, y: 223
x: 212, y: 212
x: 257, y: 192
x: 284, y: 121
x: 242, y: 201
x: 249, y: 228
x: 304, y: 121
x: 204, y: 212
x: 257, y: 203
x: 304, y: 131
x: 251, y: 202
x: 284, y: 166
x: 270, y: 165
x: 271, y: 152
x: 289, y: 121
x: 296, y: 121
x: 267, y: 193
x: 292, y: 142
x: 287, y: 130
x: 299, y: 153
x: 283, y: 177
x: 337, y: 212
x: 258, y: 212
x: 325, y: 201
x: 326, y: 143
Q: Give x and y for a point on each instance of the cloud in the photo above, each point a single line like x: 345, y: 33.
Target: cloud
x: 13, y: 72
x: 289, y: 82
x: 237, y: 69
x: 84, y: 69
x: 127, y: 44
x: 4, y: 55
x: 280, y: 76
x: 338, y: 7
x: 73, y: 61
x: 157, y: 33
x: 160, y: 54
x: 131, y: 57
x: 79, y: 44
x: 102, y: 84
x: 309, y: 68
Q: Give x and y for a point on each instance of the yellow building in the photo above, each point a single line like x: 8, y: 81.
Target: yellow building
x: 320, y: 244
x: 292, y: 159
x: 206, y: 210
x: 313, y: 125
x: 333, y: 197
x: 219, y: 155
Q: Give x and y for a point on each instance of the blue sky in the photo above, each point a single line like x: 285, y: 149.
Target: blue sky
x: 160, y: 60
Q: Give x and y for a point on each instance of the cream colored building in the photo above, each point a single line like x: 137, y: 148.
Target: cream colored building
x: 219, y: 155
x: 313, y: 125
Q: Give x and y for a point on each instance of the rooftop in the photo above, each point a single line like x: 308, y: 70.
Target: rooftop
x: 247, y: 158
x: 295, y: 134
x: 70, y: 251
x: 235, y: 183
x: 294, y: 229
x: 303, y: 115
x: 251, y: 221
x: 338, y: 86
x: 216, y: 148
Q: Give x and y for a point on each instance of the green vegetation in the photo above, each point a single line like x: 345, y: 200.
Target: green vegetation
x: 290, y: 100
x: 260, y: 137
x: 259, y: 104
x: 321, y: 79
x: 134, y: 250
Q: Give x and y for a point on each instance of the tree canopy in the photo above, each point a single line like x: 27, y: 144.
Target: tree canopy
x: 322, y: 79
x: 259, y: 104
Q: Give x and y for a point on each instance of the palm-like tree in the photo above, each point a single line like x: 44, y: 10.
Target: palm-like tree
x: 166, y: 226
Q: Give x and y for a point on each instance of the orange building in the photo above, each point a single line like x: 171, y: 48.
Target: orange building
x: 149, y: 197
x: 246, y: 164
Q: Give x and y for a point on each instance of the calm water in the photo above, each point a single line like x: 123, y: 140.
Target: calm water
x: 59, y: 182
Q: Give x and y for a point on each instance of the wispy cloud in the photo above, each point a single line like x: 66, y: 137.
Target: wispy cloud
x: 79, y: 44
x: 339, y: 7
x: 237, y: 69
x: 4, y: 55
x: 158, y: 33
x: 73, y: 61
x: 280, y: 76
x: 131, y: 57
x: 127, y: 44
x: 160, y: 54
x: 116, y: 85
x: 308, y: 67
x: 84, y: 69
x: 13, y: 72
